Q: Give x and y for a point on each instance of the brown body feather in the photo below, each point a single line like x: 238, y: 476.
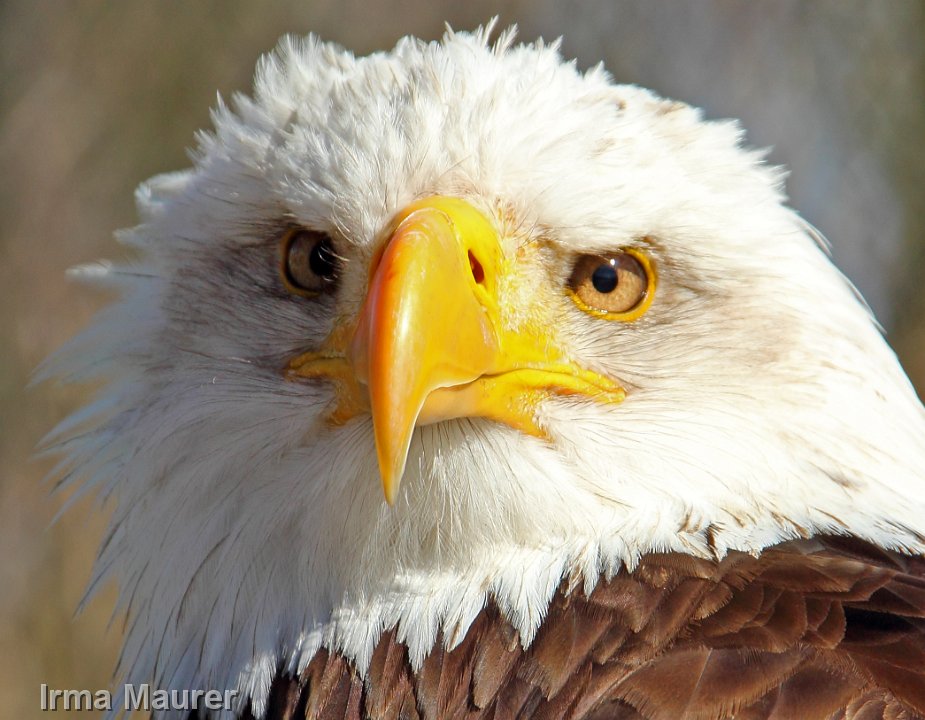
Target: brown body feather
x: 827, y: 629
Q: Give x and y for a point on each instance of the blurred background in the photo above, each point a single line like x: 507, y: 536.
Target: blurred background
x: 97, y: 96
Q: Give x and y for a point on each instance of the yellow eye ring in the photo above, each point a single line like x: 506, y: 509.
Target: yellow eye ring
x: 618, y: 286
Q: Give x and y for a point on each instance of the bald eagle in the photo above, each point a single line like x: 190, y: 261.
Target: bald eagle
x: 453, y: 382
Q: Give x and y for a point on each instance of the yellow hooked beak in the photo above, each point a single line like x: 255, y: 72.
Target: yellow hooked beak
x: 430, y: 344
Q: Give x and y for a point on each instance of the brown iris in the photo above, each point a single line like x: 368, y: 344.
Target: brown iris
x: 617, y: 286
x: 309, y: 263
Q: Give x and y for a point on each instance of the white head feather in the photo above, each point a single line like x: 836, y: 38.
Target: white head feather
x: 762, y: 402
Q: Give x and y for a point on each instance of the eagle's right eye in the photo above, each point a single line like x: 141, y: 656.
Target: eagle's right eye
x: 309, y: 263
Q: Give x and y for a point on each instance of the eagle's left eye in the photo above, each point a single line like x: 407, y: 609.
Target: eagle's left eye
x: 618, y: 286
x: 309, y: 263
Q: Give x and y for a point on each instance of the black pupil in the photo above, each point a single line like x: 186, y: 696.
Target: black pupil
x: 321, y: 260
x: 604, y: 278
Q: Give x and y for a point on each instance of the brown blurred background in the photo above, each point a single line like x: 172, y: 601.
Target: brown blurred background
x: 97, y: 96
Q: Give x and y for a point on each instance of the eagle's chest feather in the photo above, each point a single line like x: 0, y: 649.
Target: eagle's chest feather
x: 817, y: 630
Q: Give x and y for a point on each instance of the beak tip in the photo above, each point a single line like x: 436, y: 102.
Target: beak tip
x: 390, y: 489
x: 391, y: 471
x: 391, y: 464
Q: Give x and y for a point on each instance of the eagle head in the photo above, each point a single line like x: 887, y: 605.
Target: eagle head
x: 455, y: 324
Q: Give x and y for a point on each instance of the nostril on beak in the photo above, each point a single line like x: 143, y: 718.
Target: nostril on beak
x: 478, y: 274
